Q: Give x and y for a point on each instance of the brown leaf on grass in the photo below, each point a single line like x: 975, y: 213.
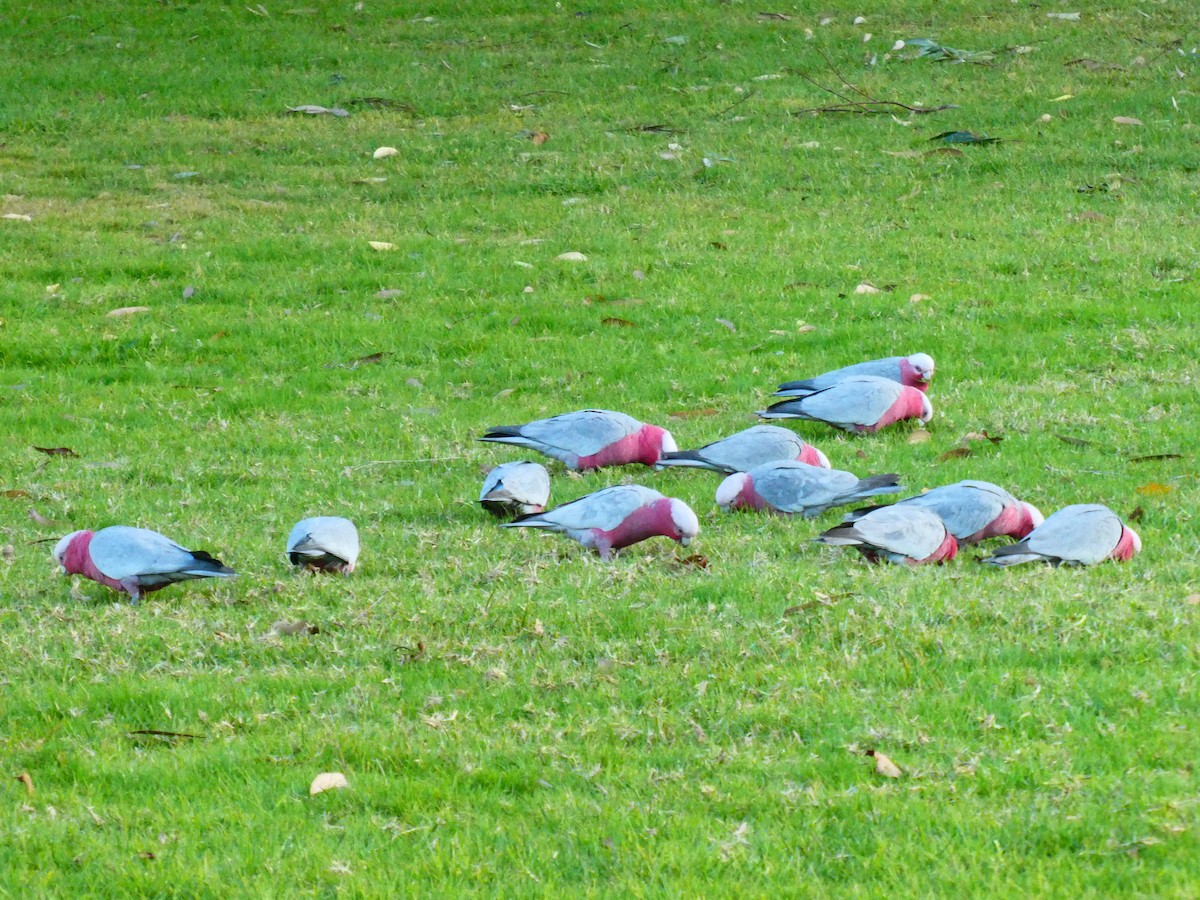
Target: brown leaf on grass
x: 1074, y: 441
x: 505, y: 392
x: 884, y: 766
x: 1155, y: 457
x: 15, y: 493
x: 1154, y: 489
x: 1126, y: 120
x: 981, y: 436
x: 696, y: 561
x: 147, y: 855
x: 718, y: 245
x: 369, y: 360
x: 1192, y: 599
x: 617, y: 322
x: 327, y: 781
x: 37, y: 518
x: 944, y: 151
x: 285, y: 627
x: 26, y: 779
x: 1136, y: 515
x: 57, y: 451
x: 8, y: 551
x: 774, y: 17
x: 919, y: 436
x: 955, y: 453
x: 1092, y: 65
x: 127, y: 311
x: 866, y: 288
x: 692, y: 413
x: 154, y: 732
x: 538, y: 138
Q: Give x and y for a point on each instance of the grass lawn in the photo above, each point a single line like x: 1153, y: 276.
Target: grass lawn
x: 515, y: 717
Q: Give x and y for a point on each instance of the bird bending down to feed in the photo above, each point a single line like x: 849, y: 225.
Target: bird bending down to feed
x: 863, y: 404
x: 907, y: 535
x: 1079, y: 535
x: 748, y: 449
x: 325, y: 544
x: 589, y: 439
x: 912, y: 371
x: 972, y: 510
x: 515, y: 488
x: 795, y: 488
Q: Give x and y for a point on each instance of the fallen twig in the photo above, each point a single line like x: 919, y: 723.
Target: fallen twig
x: 867, y: 106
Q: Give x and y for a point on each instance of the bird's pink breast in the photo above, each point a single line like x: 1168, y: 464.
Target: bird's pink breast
x: 78, y: 561
x: 643, y: 446
x: 1125, y: 548
x: 644, y: 522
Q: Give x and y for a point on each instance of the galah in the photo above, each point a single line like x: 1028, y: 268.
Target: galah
x: 973, y: 511
x: 904, y: 534
x: 615, y: 517
x: 324, y: 543
x: 515, y: 488
x: 589, y: 439
x: 134, y: 560
x: 912, y: 371
x: 863, y: 404
x: 793, y: 488
x: 747, y: 449
x: 1079, y: 535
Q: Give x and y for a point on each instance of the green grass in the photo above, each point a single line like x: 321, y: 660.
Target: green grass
x: 515, y: 717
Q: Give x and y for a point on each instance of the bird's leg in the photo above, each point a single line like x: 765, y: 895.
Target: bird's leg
x: 133, y: 589
x: 605, y: 550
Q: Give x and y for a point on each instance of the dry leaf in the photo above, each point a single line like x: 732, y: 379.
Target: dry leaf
x: 1061, y: 97
x: 15, y: 493
x: 17, y: 217
x: 285, y: 627
x: 572, y: 256
x: 384, y: 152
x: 26, y: 780
x: 919, y: 436
x: 956, y: 453
x: 1152, y: 458
x: 37, y: 518
x: 381, y: 245
x: 1064, y: 17
x: 918, y: 298
x: 866, y: 288
x: 1154, y: 489
x: 884, y: 766
x: 128, y: 311
x: 57, y: 451
x: 1126, y: 120
x: 8, y: 551
x: 327, y: 781
x: 1074, y: 441
x: 805, y: 328
x: 727, y: 324
x: 507, y: 392
x: 1045, y: 118
x: 696, y: 561
x: 538, y: 138
x: 981, y: 436
x: 1192, y: 599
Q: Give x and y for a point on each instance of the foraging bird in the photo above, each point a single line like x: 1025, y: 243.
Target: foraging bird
x: 325, y: 544
x: 863, y: 404
x: 907, y: 535
x: 1079, y: 535
x: 796, y: 488
x: 516, y: 488
x: 747, y: 449
x: 589, y: 439
x: 615, y: 517
x: 134, y: 560
x: 912, y: 371
x: 972, y: 510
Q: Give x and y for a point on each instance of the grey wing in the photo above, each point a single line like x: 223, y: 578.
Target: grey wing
x: 122, y: 552
x: 582, y: 433
x: 604, y: 509
x: 966, y: 506
x: 910, y: 531
x: 798, y: 488
x: 322, y: 535
x: 1085, y: 533
x: 525, y: 482
x: 855, y: 401
x: 756, y: 446
x: 879, y: 368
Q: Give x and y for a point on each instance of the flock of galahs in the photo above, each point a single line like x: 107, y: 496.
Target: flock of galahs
x: 767, y: 468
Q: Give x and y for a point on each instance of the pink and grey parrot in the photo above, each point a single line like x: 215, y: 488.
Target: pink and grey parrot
x: 516, y: 488
x: 1079, y: 535
x: 972, y: 510
x: 747, y: 449
x: 134, y: 560
x: 589, y: 439
x: 615, y: 517
x: 904, y: 534
x: 862, y: 404
x: 793, y: 488
x: 325, y: 544
x: 912, y: 371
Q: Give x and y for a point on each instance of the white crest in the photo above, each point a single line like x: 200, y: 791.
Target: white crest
x: 730, y: 488
x: 685, y: 520
x: 668, y: 443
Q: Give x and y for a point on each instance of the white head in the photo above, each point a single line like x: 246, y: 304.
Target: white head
x: 60, y: 549
x: 685, y: 520
x: 1035, y: 514
x: 824, y: 460
x: 729, y: 489
x: 668, y: 443
x: 923, y: 363
x: 926, y: 410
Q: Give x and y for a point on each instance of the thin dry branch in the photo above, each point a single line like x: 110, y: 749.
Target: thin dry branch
x: 867, y: 106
